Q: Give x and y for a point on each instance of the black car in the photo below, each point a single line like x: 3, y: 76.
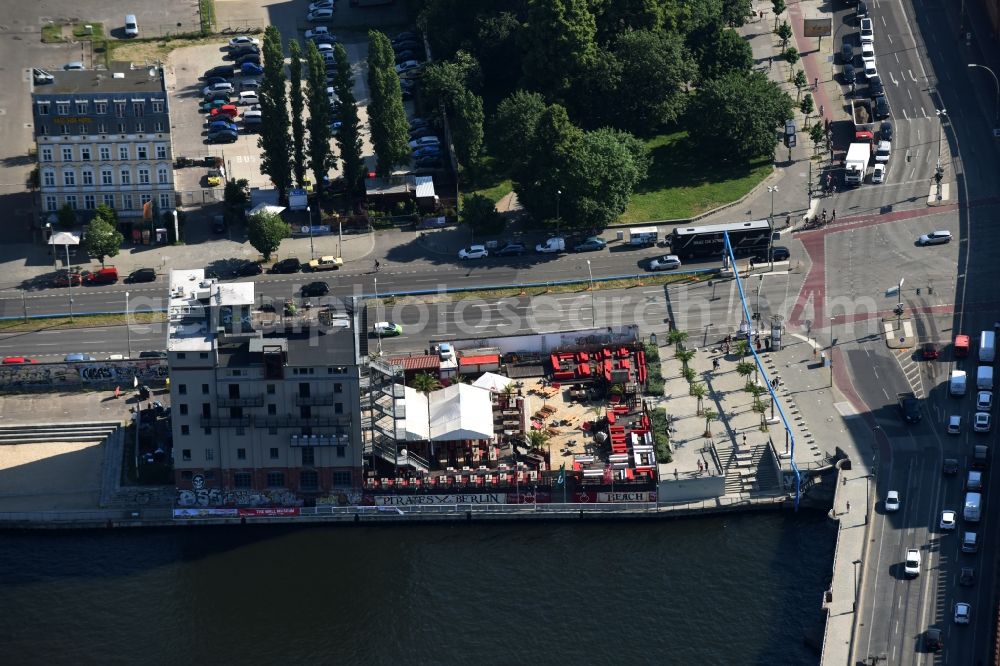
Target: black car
x: 315, y: 289
x: 219, y: 224
x: 850, y: 75
x: 885, y: 131
x: 778, y: 253
x: 241, y: 51
x: 250, y: 57
x: 153, y: 354
x: 212, y: 80
x: 143, y: 275
x: 933, y: 641
x: 222, y: 136
x: 290, y: 265
x: 875, y: 87
x: 247, y: 268
x: 967, y: 577
x: 510, y: 250
x: 950, y: 466
x: 403, y: 56
x: 405, y: 36
x: 406, y: 45
x: 224, y: 71
x: 881, y: 107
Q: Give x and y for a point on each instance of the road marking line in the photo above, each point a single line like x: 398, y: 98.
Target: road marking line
x: 893, y: 79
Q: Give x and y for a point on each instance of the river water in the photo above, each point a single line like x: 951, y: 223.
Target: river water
x: 728, y: 590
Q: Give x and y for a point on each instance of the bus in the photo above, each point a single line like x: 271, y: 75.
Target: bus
x: 746, y: 238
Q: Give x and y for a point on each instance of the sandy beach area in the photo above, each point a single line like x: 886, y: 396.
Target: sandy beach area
x: 50, y: 476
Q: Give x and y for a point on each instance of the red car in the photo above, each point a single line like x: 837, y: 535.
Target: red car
x: 106, y: 275
x: 930, y: 351
x: 18, y: 360
x: 65, y: 279
x: 225, y: 110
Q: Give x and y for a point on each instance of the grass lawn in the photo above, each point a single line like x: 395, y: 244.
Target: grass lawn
x: 682, y: 184
x: 486, y: 181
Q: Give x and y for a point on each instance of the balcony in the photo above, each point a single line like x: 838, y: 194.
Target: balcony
x: 247, y: 401
x: 319, y: 440
x: 319, y: 400
x: 338, y: 420
x: 222, y: 422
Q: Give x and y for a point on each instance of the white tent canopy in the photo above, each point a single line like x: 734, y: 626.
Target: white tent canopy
x: 455, y: 413
x: 492, y: 382
x: 265, y: 208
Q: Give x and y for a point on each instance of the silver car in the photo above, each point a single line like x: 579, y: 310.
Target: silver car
x: 665, y: 263
x: 935, y: 238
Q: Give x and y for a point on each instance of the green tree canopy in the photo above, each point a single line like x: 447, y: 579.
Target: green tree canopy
x: 513, y: 126
x: 558, y: 43
x: 654, y: 68
x: 102, y: 239
x: 728, y: 52
x: 467, y: 127
x: 480, y: 213
x: 349, y: 133
x: 601, y: 176
x: 298, y: 103
x: 539, y: 174
x: 386, y: 116
x: 276, y: 157
x: 318, y: 123
x: 735, y: 116
x: 265, y: 231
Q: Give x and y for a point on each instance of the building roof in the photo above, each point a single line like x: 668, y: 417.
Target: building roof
x: 455, y: 413
x: 419, y: 362
x: 492, y: 382
x: 122, y: 77
x: 479, y: 360
x: 424, y: 187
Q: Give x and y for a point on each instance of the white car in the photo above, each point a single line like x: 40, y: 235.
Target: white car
x: 424, y: 141
x: 253, y: 115
x: 407, y: 66
x: 878, y: 173
x: 963, y: 612
x: 243, y: 40
x: 665, y: 263
x: 867, y: 31
x: 984, y: 401
x: 911, y: 565
x: 947, y: 520
x: 981, y: 422
x: 320, y: 4
x: 871, y: 70
x: 320, y: 16
x: 473, y: 252
x: 318, y: 31
x: 882, y: 151
x: 223, y: 86
x: 939, y: 237
x: 892, y: 501
x: 867, y: 50
x: 324, y: 48
x: 248, y: 97
x: 954, y: 425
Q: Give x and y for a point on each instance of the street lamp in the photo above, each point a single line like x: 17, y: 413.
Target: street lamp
x: 378, y: 333
x: 996, y: 82
x: 756, y: 307
x: 558, y: 219
x: 856, y: 563
x: 772, y: 189
x: 593, y: 307
x: 939, y: 170
x: 128, y: 328
x: 309, y: 220
x: 832, y: 343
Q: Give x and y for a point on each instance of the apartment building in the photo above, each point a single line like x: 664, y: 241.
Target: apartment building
x: 263, y: 404
x: 103, y: 137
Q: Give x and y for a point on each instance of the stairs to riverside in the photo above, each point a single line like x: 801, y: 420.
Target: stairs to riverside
x: 89, y: 431
x: 766, y: 468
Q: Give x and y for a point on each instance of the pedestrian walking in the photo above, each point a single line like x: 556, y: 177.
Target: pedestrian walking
x: 833, y: 217
x: 744, y: 439
x: 824, y: 216
x: 118, y: 392
x: 816, y: 83
x: 715, y: 364
x: 675, y: 473
x: 848, y: 506
x: 770, y: 61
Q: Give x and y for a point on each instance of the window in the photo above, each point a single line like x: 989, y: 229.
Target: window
x: 144, y: 175
x: 338, y: 387
x: 308, y: 480
x: 241, y: 454
x: 157, y: 106
x: 106, y: 177
x: 67, y: 154
x: 209, y: 454
x: 43, y: 108
x: 272, y: 410
x: 270, y: 389
x: 138, y: 107
x: 341, y: 478
x: 200, y: 354
x: 236, y: 412
x: 161, y: 151
x: 158, y: 126
x: 338, y: 408
x: 109, y: 200
x: 49, y: 178
x: 206, y: 409
x: 87, y: 176
x: 62, y: 108
x: 100, y: 108
x: 143, y: 199
x: 162, y: 175
x: 125, y: 176
x: 102, y: 128
x: 121, y: 128
x: 71, y: 201
x: 186, y: 454
x: 85, y: 153
x: 119, y: 109
x: 50, y: 203
x: 183, y: 408
x: 308, y: 456
x: 305, y: 411
x: 81, y: 107
x: 105, y: 153
x: 89, y: 202
x: 140, y: 127
x: 142, y: 152
x: 46, y: 153
x: 208, y: 431
x: 275, y: 479
x: 123, y: 152
x: 186, y: 475
x: 185, y: 430
x: 182, y: 355
x: 43, y: 130
x: 182, y: 389
x: 204, y: 389
x: 341, y: 451
x: 64, y: 128
x: 165, y: 202
x: 243, y: 480
x: 274, y: 453
x: 127, y: 202
x: 69, y: 178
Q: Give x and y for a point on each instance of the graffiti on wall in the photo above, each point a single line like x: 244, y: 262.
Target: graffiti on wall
x: 45, y: 376
x: 201, y: 495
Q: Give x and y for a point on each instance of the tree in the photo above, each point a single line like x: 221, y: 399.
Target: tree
x: 102, y: 240
x: 538, y: 439
x: 443, y: 81
x: 745, y: 369
x: 108, y: 214
x: 791, y: 55
x: 298, y: 102
x: 318, y: 124
x: 806, y: 106
x: 480, y: 213
x: 653, y: 67
x: 784, y: 33
x: 684, y: 356
x: 425, y: 383
x: 265, y: 231
x: 699, y: 391
x: 817, y: 134
x: 736, y: 12
x: 558, y: 43
x: 728, y: 52
x: 600, y: 177
x: 276, y: 159
x: 237, y: 194
x: 800, y: 82
x: 677, y: 337
x: 538, y: 174
x: 513, y: 125
x: 386, y: 116
x: 349, y: 133
x: 741, y: 347
x: 710, y: 415
x: 66, y: 216
x: 734, y: 117
x: 467, y: 129
x: 778, y: 6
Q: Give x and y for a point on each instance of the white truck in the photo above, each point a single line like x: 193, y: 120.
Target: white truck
x: 551, y: 246
x: 957, y: 383
x: 987, y: 346
x: 972, y: 504
x: 643, y: 236
x: 856, y: 163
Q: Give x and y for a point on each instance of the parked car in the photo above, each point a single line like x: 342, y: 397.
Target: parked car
x: 935, y: 238
x: 66, y: 278
x: 875, y: 87
x: 321, y: 4
x: 324, y: 39
x: 849, y: 74
x: 885, y: 131
x: 425, y: 141
x: 219, y: 224
x: 324, y: 48
x: 249, y: 84
x: 251, y: 58
x: 510, y: 250
x: 427, y: 151
x: 407, y: 66
x: 318, y: 31
x: 473, y: 252
x: 75, y: 65
x: 214, y: 104
x: 247, y: 269
x: 222, y: 125
x: 221, y: 70
x: 315, y: 289
x: 106, y: 275
x: 42, y: 77
x: 878, y: 173
x: 225, y: 110
x: 327, y: 263
x: 984, y: 401
x: 142, y: 275
x: 320, y: 16
x: 251, y: 69
x: 881, y: 107
x: 870, y: 69
x: 867, y: 50
x: 253, y: 117
x: 981, y: 422
x: 289, y: 265
x: 248, y: 97
x: 241, y: 51
x: 242, y: 40
x: 78, y: 358
x: 18, y: 360
x: 211, y: 80
x: 223, y: 136
x: 222, y: 86
x: 867, y: 31
x: 592, y: 244
x: 665, y: 263
x: 882, y: 151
